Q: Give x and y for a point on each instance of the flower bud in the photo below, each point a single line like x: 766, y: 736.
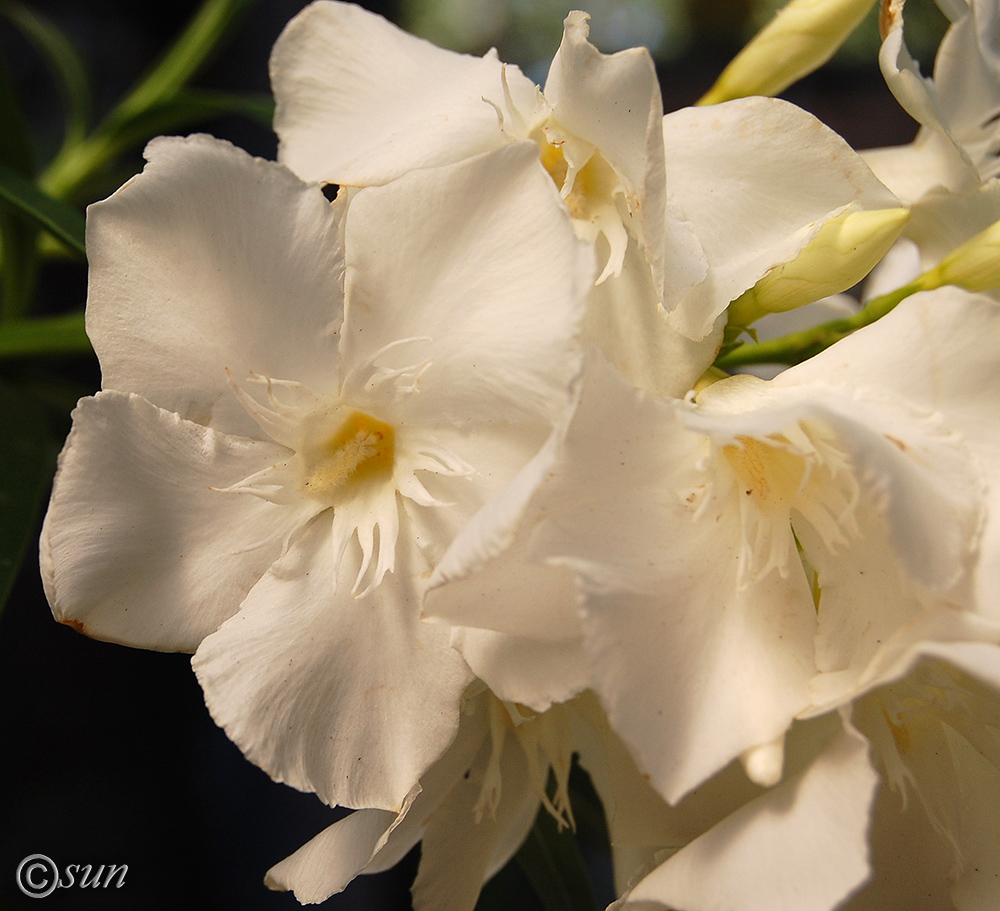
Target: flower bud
x: 843, y: 252
x: 975, y: 265
x: 801, y: 37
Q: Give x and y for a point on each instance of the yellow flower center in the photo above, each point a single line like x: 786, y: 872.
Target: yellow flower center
x: 771, y: 475
x: 361, y: 450
x: 784, y: 478
x: 594, y: 185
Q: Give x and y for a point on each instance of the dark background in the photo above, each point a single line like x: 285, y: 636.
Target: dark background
x: 107, y: 754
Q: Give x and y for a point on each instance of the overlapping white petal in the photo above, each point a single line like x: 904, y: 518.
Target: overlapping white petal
x: 484, y: 301
x: 213, y: 260
x: 477, y: 803
x: 935, y: 733
x: 285, y: 677
x: 755, y: 179
x: 956, y: 381
x: 140, y: 545
x: 800, y: 845
x: 360, y: 102
x: 694, y: 663
x: 948, y: 173
x: 701, y: 624
x: 956, y: 148
x: 374, y: 394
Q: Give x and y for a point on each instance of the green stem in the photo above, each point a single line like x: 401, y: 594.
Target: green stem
x: 799, y: 346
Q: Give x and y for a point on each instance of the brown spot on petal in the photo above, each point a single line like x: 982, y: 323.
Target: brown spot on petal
x: 890, y: 17
x: 898, y: 443
x: 76, y: 624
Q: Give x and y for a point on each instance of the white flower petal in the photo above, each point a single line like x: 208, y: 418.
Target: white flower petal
x: 454, y: 833
x: 911, y: 171
x: 139, y: 545
x: 209, y: 260
x: 864, y: 598
x: 351, y: 697
x: 936, y: 734
x: 800, y: 846
x: 936, y: 157
x: 626, y: 321
x: 329, y: 861
x: 693, y: 665
x: 370, y: 841
x: 508, y: 594
x: 613, y: 102
x: 490, y: 283
x: 488, y: 578
x: 958, y: 637
x: 641, y: 825
x: 755, y: 178
x: 527, y: 646
x: 917, y: 475
x: 941, y: 221
x: 910, y: 861
x: 360, y: 102
x: 967, y: 79
x: 956, y: 379
x: 529, y: 671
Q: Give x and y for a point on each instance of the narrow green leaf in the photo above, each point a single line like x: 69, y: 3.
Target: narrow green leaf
x: 551, y: 861
x: 64, y: 62
x: 199, y: 40
x: 77, y: 165
x: 18, y: 267
x: 61, y: 219
x: 187, y: 108
x: 46, y: 335
x: 19, y: 270
x: 15, y: 142
x: 27, y: 460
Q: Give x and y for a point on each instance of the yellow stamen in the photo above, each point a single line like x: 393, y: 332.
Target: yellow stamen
x: 362, y: 449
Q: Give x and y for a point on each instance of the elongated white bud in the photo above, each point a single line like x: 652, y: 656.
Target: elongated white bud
x: 975, y: 265
x: 843, y: 252
x: 801, y: 37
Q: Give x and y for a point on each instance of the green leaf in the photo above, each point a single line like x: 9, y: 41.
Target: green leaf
x: 64, y: 62
x: 188, y: 108
x: 15, y: 142
x: 61, y: 219
x: 18, y: 236
x: 18, y: 268
x: 45, y: 335
x: 77, y: 165
x: 27, y: 460
x: 200, y: 39
x: 551, y: 861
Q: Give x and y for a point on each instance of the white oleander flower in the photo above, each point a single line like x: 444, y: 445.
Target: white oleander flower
x: 471, y: 811
x: 948, y: 174
x: 906, y: 820
x: 360, y: 102
x: 956, y: 147
x: 747, y: 555
x: 302, y: 404
x: 800, y: 845
x: 687, y: 211
x: 935, y: 735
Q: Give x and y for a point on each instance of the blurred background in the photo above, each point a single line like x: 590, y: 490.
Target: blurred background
x: 107, y: 754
